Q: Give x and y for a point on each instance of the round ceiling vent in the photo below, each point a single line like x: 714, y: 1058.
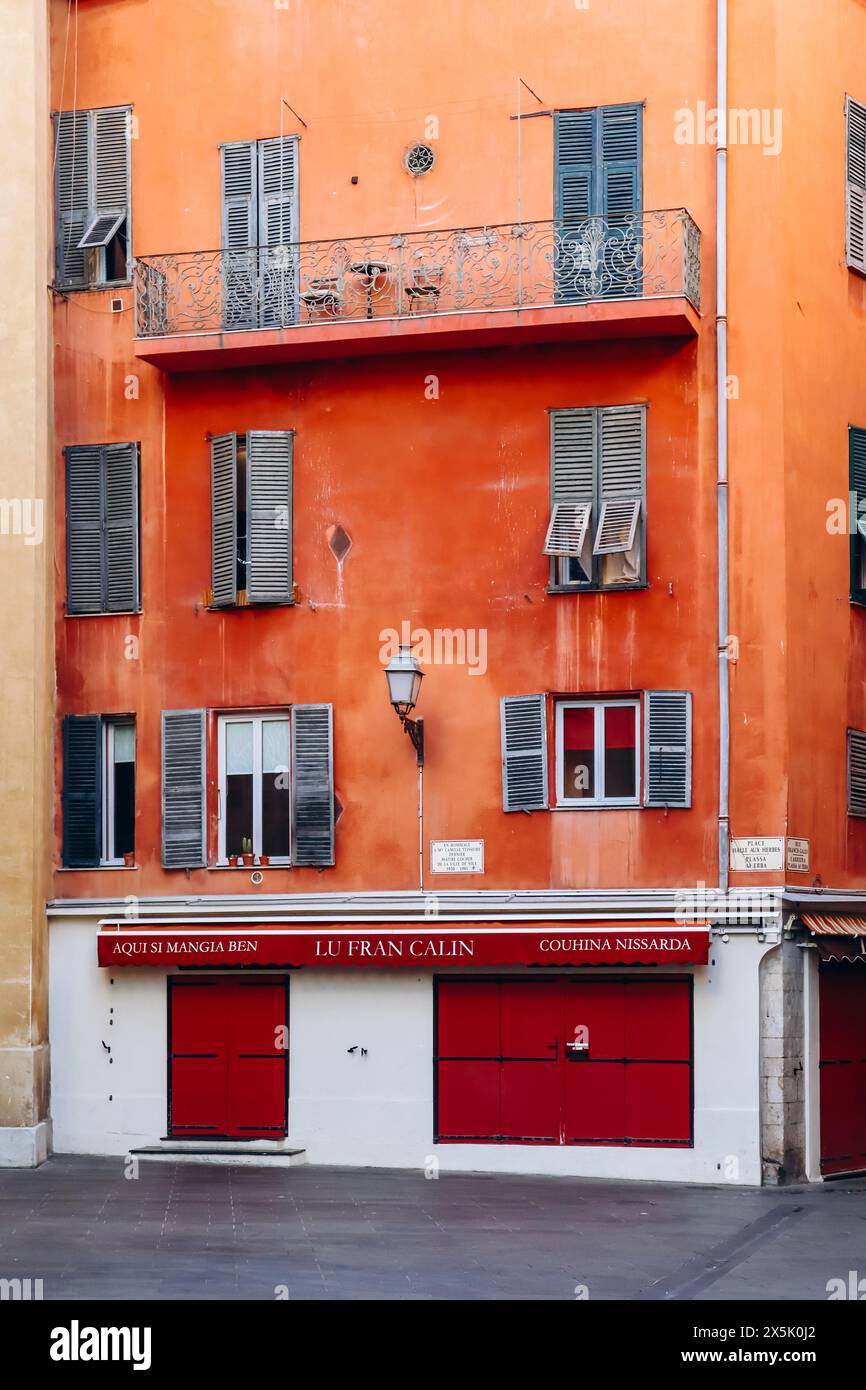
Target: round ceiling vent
x: 419, y: 159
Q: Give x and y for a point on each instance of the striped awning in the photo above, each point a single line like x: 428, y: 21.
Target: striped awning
x: 823, y: 924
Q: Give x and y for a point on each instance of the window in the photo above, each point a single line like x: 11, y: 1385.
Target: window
x: 118, y: 795
x: 102, y: 529
x: 98, y: 790
x: 251, y: 518
x: 857, y: 505
x: 605, y: 756
x: 259, y: 227
x: 254, y: 786
x: 596, y: 532
x: 856, y: 773
x: 597, y: 753
x: 92, y: 197
x: 855, y: 184
x: 274, y: 786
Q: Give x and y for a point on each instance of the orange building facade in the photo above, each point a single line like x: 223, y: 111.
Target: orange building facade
x: 380, y: 327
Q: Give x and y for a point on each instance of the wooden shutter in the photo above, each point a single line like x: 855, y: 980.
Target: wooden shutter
x: 239, y: 173
x: 855, y: 184
x: 85, y: 549
x: 224, y: 519
x: 622, y: 472
x: 576, y: 195
x: 857, y: 504
x: 856, y: 773
x: 573, y: 435
x: 71, y: 195
x: 240, y: 234
x: 312, y: 775
x: 269, y: 516
x: 619, y: 141
x: 523, y: 730
x: 111, y: 131
x: 82, y: 790
x: 667, y: 748
x: 278, y: 230
x: 183, y: 789
x: 121, y: 527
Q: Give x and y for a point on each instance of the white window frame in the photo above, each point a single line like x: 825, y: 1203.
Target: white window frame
x: 109, y: 726
x: 599, y: 801
x: 257, y: 720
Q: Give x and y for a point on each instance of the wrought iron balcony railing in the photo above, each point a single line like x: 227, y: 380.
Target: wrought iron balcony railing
x: 646, y: 255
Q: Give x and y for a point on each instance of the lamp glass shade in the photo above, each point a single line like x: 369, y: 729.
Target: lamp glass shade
x: 404, y: 677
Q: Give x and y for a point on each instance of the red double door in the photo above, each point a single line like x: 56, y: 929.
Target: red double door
x: 228, y: 1058
x: 842, y: 988
x: 576, y: 1062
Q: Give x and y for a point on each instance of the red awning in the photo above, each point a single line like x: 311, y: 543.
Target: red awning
x: 823, y: 924
x: 386, y: 946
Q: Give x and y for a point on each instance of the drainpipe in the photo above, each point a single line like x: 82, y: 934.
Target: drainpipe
x: 722, y: 432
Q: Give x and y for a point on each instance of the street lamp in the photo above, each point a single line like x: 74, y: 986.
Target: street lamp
x: 404, y: 677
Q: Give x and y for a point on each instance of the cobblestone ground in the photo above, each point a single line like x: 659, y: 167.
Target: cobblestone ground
x: 187, y: 1231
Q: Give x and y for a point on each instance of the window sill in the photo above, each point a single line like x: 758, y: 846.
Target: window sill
x: 99, y: 869
x: 249, y: 607
x: 596, y: 589
x: 107, y: 613
x: 105, y: 287
x: 248, y: 868
x: 600, y: 806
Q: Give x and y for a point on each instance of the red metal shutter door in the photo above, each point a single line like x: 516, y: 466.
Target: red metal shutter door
x: 842, y: 991
x: 531, y: 1094
x: 257, y: 1059
x: 594, y: 1080
x: 199, y: 1058
x: 658, y: 1083
x: 467, y: 1061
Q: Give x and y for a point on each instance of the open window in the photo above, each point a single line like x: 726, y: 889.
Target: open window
x: 118, y: 781
x: 98, y: 790
x: 596, y: 533
x: 92, y: 197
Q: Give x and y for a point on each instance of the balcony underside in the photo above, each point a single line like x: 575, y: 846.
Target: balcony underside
x: 674, y: 317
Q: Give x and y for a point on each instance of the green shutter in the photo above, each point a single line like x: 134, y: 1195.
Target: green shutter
x: 82, y: 791
x: 85, y: 529
x: 857, y: 508
x: 855, y: 184
x: 622, y: 470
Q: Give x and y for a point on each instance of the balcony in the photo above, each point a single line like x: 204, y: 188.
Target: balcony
x: 633, y: 276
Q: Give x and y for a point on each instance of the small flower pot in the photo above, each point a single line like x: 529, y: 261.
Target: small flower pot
x: 129, y: 860
x: 246, y: 859
x: 234, y: 860
x: 264, y: 859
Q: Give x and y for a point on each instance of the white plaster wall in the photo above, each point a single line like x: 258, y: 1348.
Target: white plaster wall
x: 378, y: 1110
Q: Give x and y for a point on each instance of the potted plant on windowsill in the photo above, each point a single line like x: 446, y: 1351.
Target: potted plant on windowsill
x: 129, y: 859
x: 247, y: 846
x: 263, y: 860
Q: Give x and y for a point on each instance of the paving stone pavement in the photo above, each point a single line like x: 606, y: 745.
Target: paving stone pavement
x: 182, y: 1231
